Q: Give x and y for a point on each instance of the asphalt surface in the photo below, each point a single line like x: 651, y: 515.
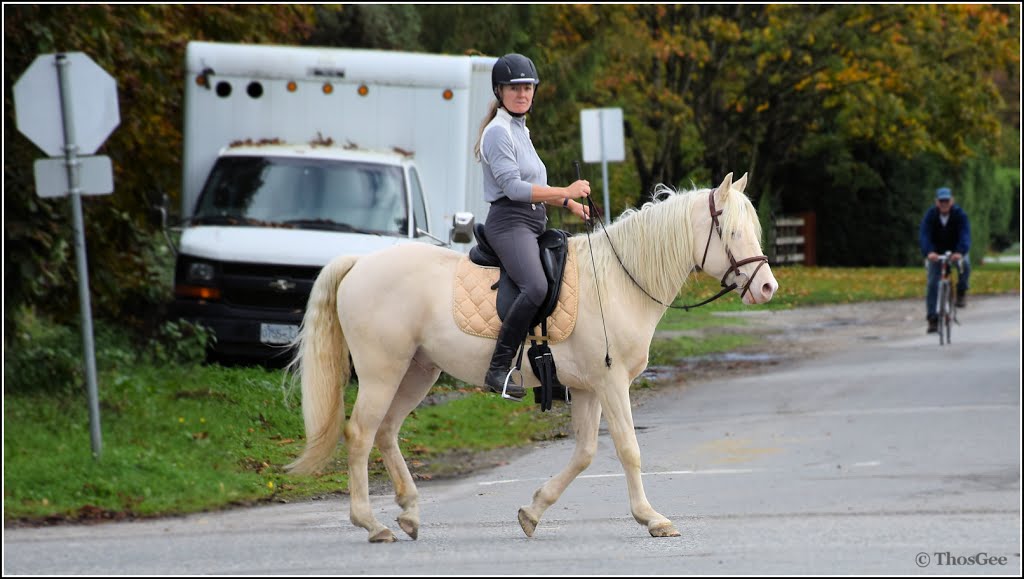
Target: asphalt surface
x: 859, y: 445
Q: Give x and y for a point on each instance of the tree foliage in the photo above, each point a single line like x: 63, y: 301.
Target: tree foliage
x: 390, y: 26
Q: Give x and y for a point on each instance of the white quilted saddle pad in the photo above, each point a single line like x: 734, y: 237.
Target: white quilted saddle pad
x: 474, y: 302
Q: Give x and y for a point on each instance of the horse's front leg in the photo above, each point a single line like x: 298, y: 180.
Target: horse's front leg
x: 586, y: 417
x: 619, y: 416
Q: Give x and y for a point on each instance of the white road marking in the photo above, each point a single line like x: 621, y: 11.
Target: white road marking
x: 710, y: 471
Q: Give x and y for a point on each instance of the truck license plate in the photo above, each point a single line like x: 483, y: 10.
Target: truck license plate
x: 278, y: 333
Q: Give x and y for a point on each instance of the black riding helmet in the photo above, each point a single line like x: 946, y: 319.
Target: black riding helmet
x: 513, y: 69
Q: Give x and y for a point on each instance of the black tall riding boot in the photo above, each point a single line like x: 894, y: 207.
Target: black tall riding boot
x: 513, y: 332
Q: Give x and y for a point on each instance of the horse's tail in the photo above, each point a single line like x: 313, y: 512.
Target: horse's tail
x: 322, y: 361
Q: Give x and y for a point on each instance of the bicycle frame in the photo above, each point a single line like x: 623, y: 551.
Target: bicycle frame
x: 945, y: 308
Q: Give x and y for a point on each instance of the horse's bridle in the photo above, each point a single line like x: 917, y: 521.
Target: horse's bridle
x: 734, y: 267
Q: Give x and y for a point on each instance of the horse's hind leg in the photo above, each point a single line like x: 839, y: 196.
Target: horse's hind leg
x: 378, y: 382
x: 586, y: 417
x: 415, y: 385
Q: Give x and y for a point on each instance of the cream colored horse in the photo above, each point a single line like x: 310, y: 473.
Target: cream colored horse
x: 392, y: 311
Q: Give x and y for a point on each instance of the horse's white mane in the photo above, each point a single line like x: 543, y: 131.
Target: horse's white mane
x: 656, y: 242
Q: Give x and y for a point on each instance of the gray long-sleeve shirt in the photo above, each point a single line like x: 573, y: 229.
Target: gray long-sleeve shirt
x: 510, y: 163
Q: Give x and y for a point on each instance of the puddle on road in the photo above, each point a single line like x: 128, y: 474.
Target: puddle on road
x: 667, y: 374
x: 735, y: 357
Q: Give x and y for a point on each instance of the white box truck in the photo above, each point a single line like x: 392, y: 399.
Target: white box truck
x: 294, y: 155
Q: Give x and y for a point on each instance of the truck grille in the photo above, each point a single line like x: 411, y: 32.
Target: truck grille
x: 263, y: 299
x: 267, y: 286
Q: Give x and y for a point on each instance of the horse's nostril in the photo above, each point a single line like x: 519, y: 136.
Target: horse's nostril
x: 767, y: 289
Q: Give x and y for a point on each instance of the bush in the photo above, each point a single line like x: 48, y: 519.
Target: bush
x: 180, y: 342
x: 42, y: 357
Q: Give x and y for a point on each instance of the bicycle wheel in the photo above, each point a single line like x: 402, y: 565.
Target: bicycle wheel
x: 942, y: 311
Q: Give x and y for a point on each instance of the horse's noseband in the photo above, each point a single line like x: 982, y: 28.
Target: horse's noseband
x: 734, y: 267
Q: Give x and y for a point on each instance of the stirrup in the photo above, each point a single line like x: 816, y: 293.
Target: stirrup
x: 504, y: 388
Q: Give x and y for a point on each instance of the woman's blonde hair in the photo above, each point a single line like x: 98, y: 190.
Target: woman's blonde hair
x: 491, y: 112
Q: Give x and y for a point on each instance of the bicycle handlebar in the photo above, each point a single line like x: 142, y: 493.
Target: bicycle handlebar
x: 947, y: 257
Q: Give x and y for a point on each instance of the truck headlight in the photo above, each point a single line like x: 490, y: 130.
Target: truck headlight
x: 201, y: 271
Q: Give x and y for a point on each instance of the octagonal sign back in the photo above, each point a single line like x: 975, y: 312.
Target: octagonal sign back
x: 93, y: 103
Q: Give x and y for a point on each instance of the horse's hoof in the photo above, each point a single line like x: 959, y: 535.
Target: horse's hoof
x: 410, y: 526
x: 383, y: 536
x: 664, y: 530
x: 527, y: 522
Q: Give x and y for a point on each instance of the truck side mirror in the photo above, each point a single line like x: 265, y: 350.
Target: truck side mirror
x: 161, y: 208
x: 165, y: 227
x: 462, y: 227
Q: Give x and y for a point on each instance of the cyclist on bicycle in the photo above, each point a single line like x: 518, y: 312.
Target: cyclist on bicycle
x: 945, y: 227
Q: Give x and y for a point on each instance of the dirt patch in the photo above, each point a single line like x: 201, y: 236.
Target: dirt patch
x: 787, y: 336
x: 818, y: 330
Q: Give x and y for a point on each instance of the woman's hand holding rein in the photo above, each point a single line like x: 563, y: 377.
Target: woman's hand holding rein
x: 580, y: 188
x: 557, y: 195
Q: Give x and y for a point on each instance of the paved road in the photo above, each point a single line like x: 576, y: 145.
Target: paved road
x: 889, y: 455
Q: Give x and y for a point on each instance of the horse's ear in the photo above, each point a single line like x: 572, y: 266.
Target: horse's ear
x: 741, y: 184
x: 723, y: 189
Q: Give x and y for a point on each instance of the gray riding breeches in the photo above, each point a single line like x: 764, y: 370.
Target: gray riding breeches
x: 512, y: 229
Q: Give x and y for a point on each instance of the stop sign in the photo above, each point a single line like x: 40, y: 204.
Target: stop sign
x: 93, y: 104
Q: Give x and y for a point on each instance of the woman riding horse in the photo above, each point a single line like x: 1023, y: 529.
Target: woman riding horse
x: 515, y: 184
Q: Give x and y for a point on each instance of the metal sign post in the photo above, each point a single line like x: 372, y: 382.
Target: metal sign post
x: 603, y: 140
x: 37, y: 110
x: 71, y: 160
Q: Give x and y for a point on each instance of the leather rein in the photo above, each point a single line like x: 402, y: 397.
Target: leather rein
x: 734, y: 268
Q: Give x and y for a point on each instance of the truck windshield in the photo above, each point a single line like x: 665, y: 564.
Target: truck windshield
x: 305, y: 193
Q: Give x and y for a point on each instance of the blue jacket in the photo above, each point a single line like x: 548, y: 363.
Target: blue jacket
x: 955, y: 236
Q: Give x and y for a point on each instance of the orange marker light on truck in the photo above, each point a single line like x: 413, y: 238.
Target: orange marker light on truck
x: 328, y: 88
x: 363, y: 90
x: 448, y: 94
x: 197, y: 292
x: 292, y: 86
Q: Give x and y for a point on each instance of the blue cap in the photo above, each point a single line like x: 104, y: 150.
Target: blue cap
x: 943, y: 193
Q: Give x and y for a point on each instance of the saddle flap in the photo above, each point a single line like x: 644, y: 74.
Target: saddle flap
x: 554, y: 248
